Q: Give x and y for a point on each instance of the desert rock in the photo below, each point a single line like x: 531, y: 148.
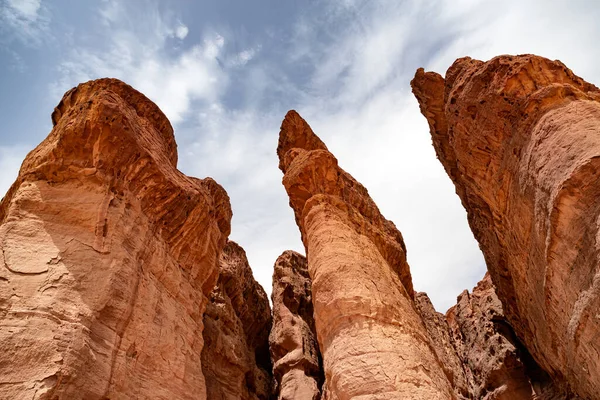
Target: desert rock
x: 372, y: 340
x: 235, y: 359
x: 519, y: 137
x: 108, y: 255
x: 297, y: 366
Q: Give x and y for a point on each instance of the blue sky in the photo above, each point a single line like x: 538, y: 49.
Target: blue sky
x: 225, y: 72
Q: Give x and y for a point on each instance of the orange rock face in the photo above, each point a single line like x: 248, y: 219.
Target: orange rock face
x: 373, y: 342
x: 479, y: 348
x: 235, y: 359
x: 519, y: 137
x: 108, y: 255
x: 297, y: 367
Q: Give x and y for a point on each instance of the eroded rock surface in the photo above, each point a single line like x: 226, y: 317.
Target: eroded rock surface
x: 444, y: 345
x: 519, y: 137
x: 237, y: 322
x: 108, y: 255
x: 480, y: 352
x: 297, y: 367
x: 373, y: 342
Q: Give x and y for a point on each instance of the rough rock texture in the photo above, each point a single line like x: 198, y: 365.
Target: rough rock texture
x: 519, y: 137
x: 297, y: 367
x: 235, y: 359
x: 373, y: 342
x: 444, y: 345
x: 489, y: 361
x: 108, y: 255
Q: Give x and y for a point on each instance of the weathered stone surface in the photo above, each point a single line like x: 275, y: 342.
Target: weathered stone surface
x: 235, y: 359
x: 519, y: 137
x: 480, y: 352
x: 108, y: 255
x: 373, y: 342
x: 444, y: 345
x: 297, y: 367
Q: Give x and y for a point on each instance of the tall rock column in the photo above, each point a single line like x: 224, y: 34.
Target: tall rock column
x: 297, y: 367
x: 108, y: 253
x: 373, y: 342
x: 520, y: 139
x: 235, y: 359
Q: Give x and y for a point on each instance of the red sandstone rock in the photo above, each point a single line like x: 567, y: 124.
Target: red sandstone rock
x: 297, y: 368
x: 373, y: 342
x: 235, y: 359
x: 480, y: 352
x: 444, y: 345
x: 486, y: 345
x: 108, y: 254
x: 519, y: 137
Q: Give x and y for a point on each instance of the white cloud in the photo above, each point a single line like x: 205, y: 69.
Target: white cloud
x: 24, y: 20
x: 26, y: 9
x: 181, y: 31
x: 140, y: 55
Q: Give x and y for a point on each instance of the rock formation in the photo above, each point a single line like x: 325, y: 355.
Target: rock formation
x: 519, y: 137
x: 373, y: 342
x: 108, y: 255
x: 235, y: 359
x: 480, y: 351
x: 297, y: 368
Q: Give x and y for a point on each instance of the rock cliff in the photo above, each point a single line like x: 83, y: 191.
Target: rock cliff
x: 373, y: 342
x: 297, y: 367
x: 108, y: 255
x: 519, y: 138
x: 235, y: 359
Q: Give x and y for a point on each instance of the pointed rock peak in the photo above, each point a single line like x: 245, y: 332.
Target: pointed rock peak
x: 296, y: 133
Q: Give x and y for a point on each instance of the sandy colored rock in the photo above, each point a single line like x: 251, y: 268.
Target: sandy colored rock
x: 297, y: 366
x: 108, y: 255
x: 373, y: 342
x: 519, y: 137
x: 235, y: 359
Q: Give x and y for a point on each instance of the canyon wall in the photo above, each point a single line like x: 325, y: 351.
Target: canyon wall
x: 235, y: 359
x: 519, y: 138
x: 108, y: 256
x: 372, y: 340
x: 297, y: 366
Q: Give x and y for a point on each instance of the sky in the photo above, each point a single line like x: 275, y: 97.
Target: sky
x: 225, y: 72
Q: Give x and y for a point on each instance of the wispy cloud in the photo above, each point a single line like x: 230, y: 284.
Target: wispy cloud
x: 24, y: 20
x: 147, y: 54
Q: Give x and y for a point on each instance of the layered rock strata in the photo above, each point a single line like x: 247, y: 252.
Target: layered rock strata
x: 519, y: 137
x: 297, y: 368
x: 108, y: 255
x: 235, y: 359
x: 373, y: 342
